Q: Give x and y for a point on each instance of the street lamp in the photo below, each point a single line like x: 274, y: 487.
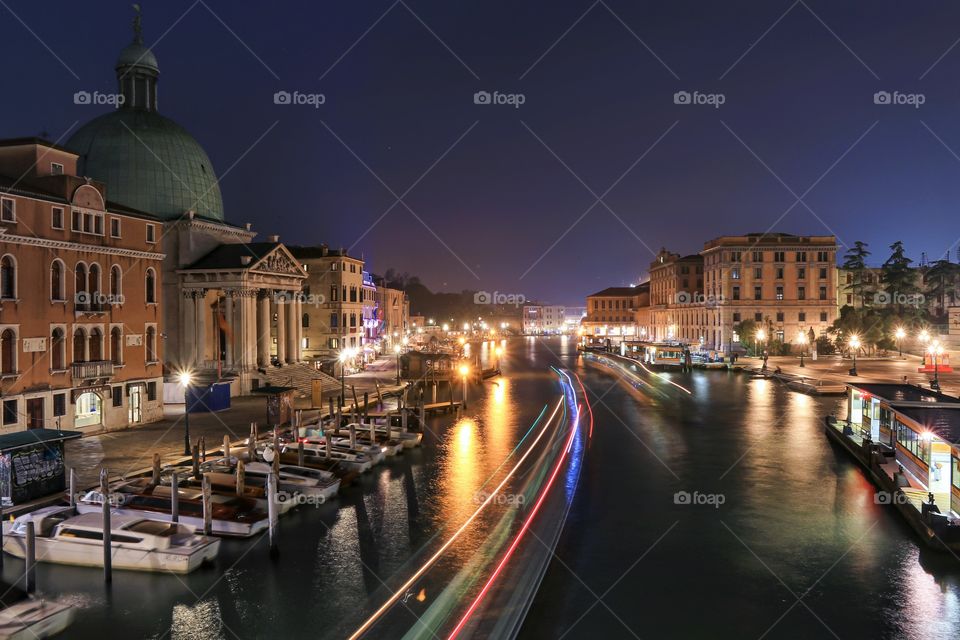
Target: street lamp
x: 900, y: 334
x: 464, y: 370
x: 185, y: 379
x: 924, y: 336
x: 935, y: 350
x: 345, y: 355
x: 802, y: 341
x: 854, y: 344
x: 758, y: 337
x: 397, y: 349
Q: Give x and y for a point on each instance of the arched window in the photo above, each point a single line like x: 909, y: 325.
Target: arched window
x: 8, y: 278
x: 306, y: 321
x: 93, y: 280
x: 56, y: 281
x: 80, y: 275
x: 96, y: 345
x: 116, y: 290
x: 79, y: 345
x: 151, y: 344
x: 58, y: 354
x: 8, y: 351
x: 116, y: 346
x: 151, y: 286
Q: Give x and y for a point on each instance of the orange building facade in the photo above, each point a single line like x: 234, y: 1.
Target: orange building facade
x: 80, y: 320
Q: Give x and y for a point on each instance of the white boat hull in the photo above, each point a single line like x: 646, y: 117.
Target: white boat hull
x: 35, y: 619
x: 227, y: 528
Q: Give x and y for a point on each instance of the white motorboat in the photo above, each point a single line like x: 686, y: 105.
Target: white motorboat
x: 136, y: 543
x: 25, y: 617
x: 409, y: 439
x: 341, y: 443
x: 344, y: 459
x: 230, y: 515
x: 316, y: 484
x: 223, y: 486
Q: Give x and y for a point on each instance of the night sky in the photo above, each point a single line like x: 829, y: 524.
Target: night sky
x: 505, y: 202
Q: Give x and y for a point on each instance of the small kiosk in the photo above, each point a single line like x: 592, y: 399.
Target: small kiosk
x: 279, y: 404
x: 31, y: 464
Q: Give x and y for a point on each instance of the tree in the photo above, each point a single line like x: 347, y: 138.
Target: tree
x: 899, y: 280
x: 855, y: 262
x: 941, y: 283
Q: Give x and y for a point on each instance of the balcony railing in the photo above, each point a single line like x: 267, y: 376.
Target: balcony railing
x: 93, y: 369
x: 91, y: 307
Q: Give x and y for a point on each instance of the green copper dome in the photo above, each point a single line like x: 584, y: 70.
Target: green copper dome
x: 147, y: 161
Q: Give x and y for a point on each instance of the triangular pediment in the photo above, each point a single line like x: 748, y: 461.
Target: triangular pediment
x: 280, y: 261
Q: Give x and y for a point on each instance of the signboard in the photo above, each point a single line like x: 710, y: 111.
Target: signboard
x: 134, y: 340
x: 32, y: 472
x: 34, y: 345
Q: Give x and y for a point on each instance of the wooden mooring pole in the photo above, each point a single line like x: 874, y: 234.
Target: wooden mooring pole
x: 30, y: 571
x: 207, y: 507
x: 175, y: 497
x: 107, y: 552
x: 272, y: 513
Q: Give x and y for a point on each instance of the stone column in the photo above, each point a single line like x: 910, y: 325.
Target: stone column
x: 200, y: 314
x: 280, y: 307
x: 263, y: 330
x: 292, y: 318
x: 231, y: 333
x: 299, y: 324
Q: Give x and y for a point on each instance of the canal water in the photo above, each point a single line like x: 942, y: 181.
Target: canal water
x: 785, y: 542
x: 780, y: 536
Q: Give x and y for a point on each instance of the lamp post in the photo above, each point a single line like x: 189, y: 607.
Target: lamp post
x: 900, y: 335
x: 397, y: 349
x: 759, y: 337
x: 464, y: 370
x: 935, y: 350
x: 344, y: 356
x: 802, y: 341
x: 185, y: 379
x: 855, y: 345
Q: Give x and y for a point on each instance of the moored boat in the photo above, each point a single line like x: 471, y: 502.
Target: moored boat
x: 137, y: 543
x: 26, y: 617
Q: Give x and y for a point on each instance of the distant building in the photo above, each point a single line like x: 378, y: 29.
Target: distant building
x: 543, y: 319
x: 333, y: 309
x: 371, y: 321
x: 786, y: 283
x: 572, y: 318
x: 617, y: 314
x: 80, y: 305
x: 394, y: 310
x: 677, y: 309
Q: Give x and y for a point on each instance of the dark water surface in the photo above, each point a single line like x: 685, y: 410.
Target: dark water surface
x: 798, y: 549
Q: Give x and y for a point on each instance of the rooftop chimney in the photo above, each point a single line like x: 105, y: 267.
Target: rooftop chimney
x: 273, y: 238
x: 245, y: 260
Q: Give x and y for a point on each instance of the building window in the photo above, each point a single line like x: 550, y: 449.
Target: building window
x: 77, y: 221
x: 801, y: 293
x: 778, y: 256
x: 8, y: 351
x: 779, y: 273
x: 758, y: 273
x: 151, y: 233
x: 334, y: 320
x: 779, y: 293
x: 116, y: 346
x: 114, y: 227
x: 305, y: 321
x: 334, y: 293
x: 779, y: 316
x: 58, y: 350
x: 116, y: 394
x: 736, y: 293
x: 802, y: 273
x: 79, y: 340
x: 801, y: 256
x: 59, y: 405
x: 823, y: 316
x: 151, y: 287
x: 823, y: 273
x: 758, y: 293
x: 8, y: 278
x: 802, y: 317
x: 758, y: 256
x: 116, y: 291
x: 758, y: 317
x: 95, y: 345
x: 823, y: 256
x: 56, y: 281
x: 151, y: 391
x: 735, y: 273
x: 151, y: 344
x: 9, y: 412
x: 56, y: 218
x: 736, y: 317
x: 823, y: 293
x: 8, y: 211
x: 56, y: 168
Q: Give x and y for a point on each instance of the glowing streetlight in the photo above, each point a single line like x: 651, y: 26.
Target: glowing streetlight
x: 924, y: 336
x: 854, y: 345
x: 759, y: 337
x: 935, y: 349
x: 802, y: 341
x: 345, y: 355
x: 186, y: 379
x: 900, y: 334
